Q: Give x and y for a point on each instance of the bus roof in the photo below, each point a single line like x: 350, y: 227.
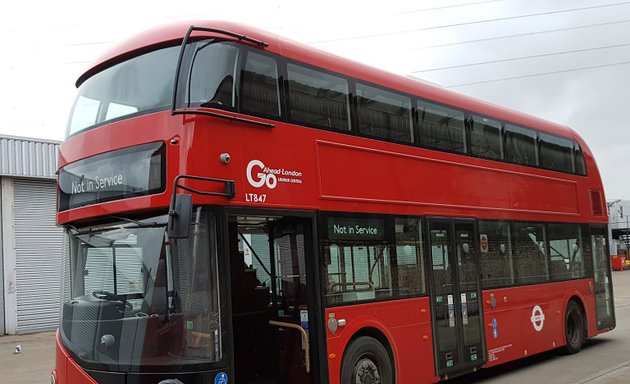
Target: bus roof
x: 171, y: 34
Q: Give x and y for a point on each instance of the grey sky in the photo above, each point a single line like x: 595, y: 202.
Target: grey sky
x: 564, y: 60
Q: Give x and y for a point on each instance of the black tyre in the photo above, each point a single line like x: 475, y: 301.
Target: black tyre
x: 366, y: 361
x: 574, y: 328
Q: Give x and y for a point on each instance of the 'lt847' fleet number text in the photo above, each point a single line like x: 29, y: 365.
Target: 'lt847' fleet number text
x: 255, y: 198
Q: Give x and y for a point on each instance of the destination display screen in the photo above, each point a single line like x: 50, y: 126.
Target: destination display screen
x: 356, y: 229
x: 128, y: 172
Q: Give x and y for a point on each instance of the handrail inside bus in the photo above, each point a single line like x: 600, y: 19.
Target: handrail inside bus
x: 305, y: 346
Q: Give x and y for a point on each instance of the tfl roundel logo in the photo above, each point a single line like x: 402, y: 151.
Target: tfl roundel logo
x: 538, y: 318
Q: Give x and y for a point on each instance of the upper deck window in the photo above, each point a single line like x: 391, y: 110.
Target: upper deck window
x: 384, y: 114
x: 260, y: 93
x: 212, y: 75
x: 485, y: 137
x: 556, y: 153
x: 580, y: 163
x: 139, y: 85
x: 520, y: 145
x: 441, y: 127
x: 318, y: 99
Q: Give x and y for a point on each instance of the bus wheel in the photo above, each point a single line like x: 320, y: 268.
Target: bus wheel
x: 366, y: 361
x: 574, y: 327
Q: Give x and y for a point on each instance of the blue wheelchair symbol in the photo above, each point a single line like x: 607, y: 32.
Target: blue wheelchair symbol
x: 221, y: 378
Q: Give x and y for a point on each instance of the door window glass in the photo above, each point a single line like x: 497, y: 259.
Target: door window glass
x: 603, y: 282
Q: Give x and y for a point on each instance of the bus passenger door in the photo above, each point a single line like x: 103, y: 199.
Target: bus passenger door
x: 455, y: 297
x: 273, y: 340
x: 603, y: 278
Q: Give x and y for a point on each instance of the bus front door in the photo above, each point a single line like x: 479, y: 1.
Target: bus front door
x: 455, y: 297
x: 271, y: 301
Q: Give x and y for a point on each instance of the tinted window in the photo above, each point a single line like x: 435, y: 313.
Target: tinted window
x: 556, y: 153
x: 566, y: 260
x: 212, y: 74
x: 485, y: 137
x: 529, y: 253
x: 603, y: 289
x: 260, y: 94
x: 580, y: 164
x: 409, y: 257
x: 384, y: 114
x: 372, y: 257
x: 520, y: 145
x: 441, y: 128
x: 318, y: 99
x: 497, y: 269
x: 358, y: 259
x: 141, y: 84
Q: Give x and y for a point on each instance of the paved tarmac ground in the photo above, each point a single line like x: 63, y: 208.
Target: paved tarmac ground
x: 604, y: 359
x: 33, y: 364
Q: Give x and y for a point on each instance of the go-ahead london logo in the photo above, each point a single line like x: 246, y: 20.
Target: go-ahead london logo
x: 259, y: 175
x: 538, y: 318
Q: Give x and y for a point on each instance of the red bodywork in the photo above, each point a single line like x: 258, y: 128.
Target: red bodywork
x: 339, y: 172
x: 514, y: 311
x: 66, y: 369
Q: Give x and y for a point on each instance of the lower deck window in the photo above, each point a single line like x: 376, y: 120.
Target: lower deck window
x: 372, y: 257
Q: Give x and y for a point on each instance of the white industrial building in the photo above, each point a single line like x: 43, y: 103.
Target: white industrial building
x: 619, y: 225
x: 30, y: 243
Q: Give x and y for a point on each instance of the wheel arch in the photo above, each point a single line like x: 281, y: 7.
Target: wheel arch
x: 579, y: 300
x: 380, y: 336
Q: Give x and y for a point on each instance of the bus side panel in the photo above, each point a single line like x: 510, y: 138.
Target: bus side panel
x: 405, y: 323
x: 530, y: 319
x: 467, y: 185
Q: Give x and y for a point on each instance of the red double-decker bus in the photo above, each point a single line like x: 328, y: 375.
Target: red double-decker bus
x: 242, y: 208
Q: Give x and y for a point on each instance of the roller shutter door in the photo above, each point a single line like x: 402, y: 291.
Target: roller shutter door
x: 38, y: 255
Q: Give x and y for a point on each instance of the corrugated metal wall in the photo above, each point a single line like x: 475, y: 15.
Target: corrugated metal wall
x: 2, y: 309
x: 38, y: 256
x: 26, y: 157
